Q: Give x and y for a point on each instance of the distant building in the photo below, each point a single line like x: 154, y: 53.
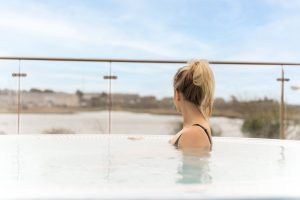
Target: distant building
x: 8, y: 98
x: 166, y: 103
x: 36, y: 98
x: 93, y: 99
x: 56, y: 99
x: 148, y: 102
x: 125, y: 99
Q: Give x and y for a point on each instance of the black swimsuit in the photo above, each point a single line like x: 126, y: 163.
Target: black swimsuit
x: 176, y: 143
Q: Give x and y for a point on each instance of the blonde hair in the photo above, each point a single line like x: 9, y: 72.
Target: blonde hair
x: 197, y: 84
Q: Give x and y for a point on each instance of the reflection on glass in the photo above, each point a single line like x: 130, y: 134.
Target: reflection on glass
x: 194, y: 168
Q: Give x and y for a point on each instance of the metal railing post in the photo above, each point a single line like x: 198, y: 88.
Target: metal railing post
x: 109, y: 77
x: 282, y: 105
x: 19, y: 75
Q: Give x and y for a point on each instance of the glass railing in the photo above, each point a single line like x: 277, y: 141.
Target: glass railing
x: 251, y: 95
x: 292, y: 103
x: 142, y: 102
x: 64, y: 97
x: 102, y: 96
x: 9, y: 97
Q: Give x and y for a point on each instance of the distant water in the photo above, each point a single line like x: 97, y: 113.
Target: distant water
x: 97, y: 122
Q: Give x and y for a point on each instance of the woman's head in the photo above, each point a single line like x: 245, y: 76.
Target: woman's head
x: 195, y: 83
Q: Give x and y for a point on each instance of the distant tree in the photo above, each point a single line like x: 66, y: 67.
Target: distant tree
x: 103, y: 95
x: 35, y: 90
x: 79, y: 94
x: 233, y: 99
x: 264, y: 123
x: 261, y: 127
x: 48, y: 91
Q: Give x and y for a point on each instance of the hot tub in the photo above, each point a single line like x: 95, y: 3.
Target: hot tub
x: 94, y: 166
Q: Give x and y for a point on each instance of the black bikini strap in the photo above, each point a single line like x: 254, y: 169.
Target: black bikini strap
x: 205, y: 132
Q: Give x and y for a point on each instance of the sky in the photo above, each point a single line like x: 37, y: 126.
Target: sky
x: 257, y: 30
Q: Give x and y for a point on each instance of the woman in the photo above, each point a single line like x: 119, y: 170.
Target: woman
x: 193, y: 97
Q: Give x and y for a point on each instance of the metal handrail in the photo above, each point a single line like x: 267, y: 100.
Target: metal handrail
x: 116, y: 60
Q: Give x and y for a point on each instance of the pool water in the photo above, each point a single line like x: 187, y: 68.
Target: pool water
x: 145, y: 167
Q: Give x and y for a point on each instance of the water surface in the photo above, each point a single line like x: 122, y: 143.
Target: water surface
x: 90, y: 165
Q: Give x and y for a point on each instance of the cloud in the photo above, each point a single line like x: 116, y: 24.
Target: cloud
x: 277, y: 39
x: 147, y: 37
x: 39, y: 26
x: 226, y: 30
x: 137, y: 32
x: 289, y: 5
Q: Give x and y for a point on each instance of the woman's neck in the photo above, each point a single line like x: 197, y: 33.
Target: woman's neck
x: 191, y: 114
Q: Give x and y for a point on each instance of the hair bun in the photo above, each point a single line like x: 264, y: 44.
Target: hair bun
x: 199, y: 70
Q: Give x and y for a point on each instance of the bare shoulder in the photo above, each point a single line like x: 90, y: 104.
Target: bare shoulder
x: 194, y: 137
x: 176, y: 136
